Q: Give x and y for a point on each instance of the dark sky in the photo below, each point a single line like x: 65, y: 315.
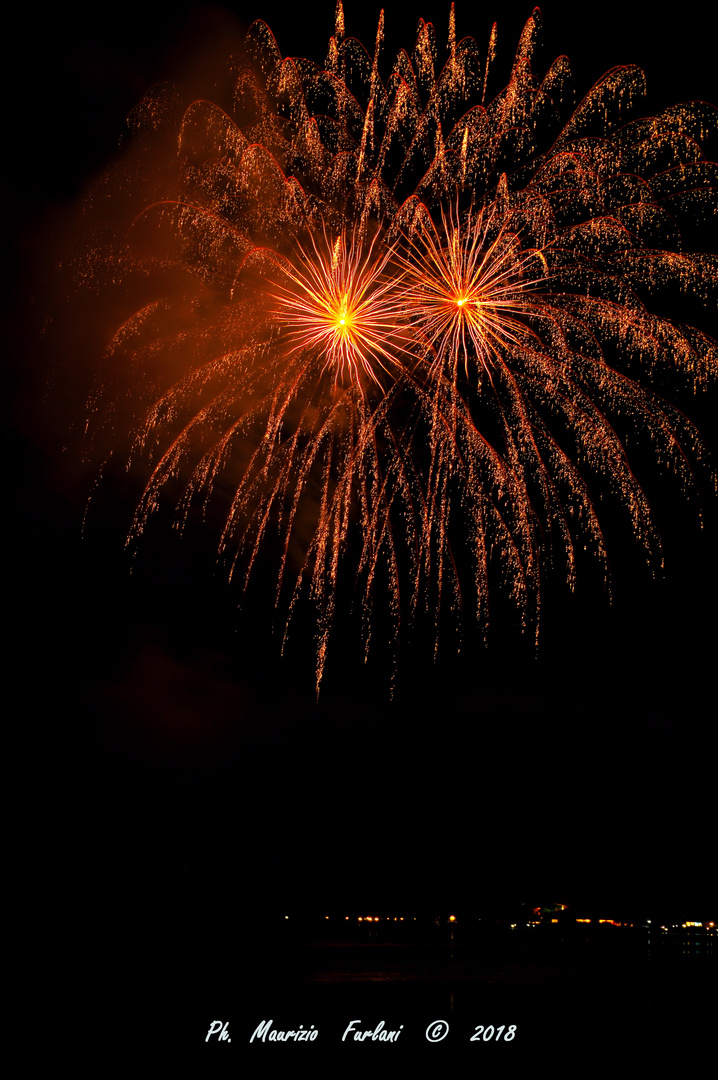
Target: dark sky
x: 173, y: 728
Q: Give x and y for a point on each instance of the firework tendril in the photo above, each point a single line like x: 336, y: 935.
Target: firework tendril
x: 413, y: 374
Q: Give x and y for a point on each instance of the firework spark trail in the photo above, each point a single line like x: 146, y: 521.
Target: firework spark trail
x: 428, y: 300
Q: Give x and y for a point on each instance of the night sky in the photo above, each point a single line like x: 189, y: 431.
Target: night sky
x: 187, y: 769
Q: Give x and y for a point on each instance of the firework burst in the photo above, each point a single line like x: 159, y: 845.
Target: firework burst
x: 426, y: 305
x: 341, y: 305
x: 465, y: 288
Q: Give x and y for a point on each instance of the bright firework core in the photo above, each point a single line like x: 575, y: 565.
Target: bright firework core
x: 338, y: 302
x: 467, y: 282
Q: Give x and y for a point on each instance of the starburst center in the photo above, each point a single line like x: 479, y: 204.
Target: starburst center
x: 338, y: 301
x: 343, y: 317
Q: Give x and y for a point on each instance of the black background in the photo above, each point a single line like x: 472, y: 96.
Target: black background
x: 182, y: 776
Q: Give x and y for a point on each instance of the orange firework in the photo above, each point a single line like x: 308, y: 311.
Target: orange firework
x: 406, y: 356
x: 466, y: 287
x: 343, y: 304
